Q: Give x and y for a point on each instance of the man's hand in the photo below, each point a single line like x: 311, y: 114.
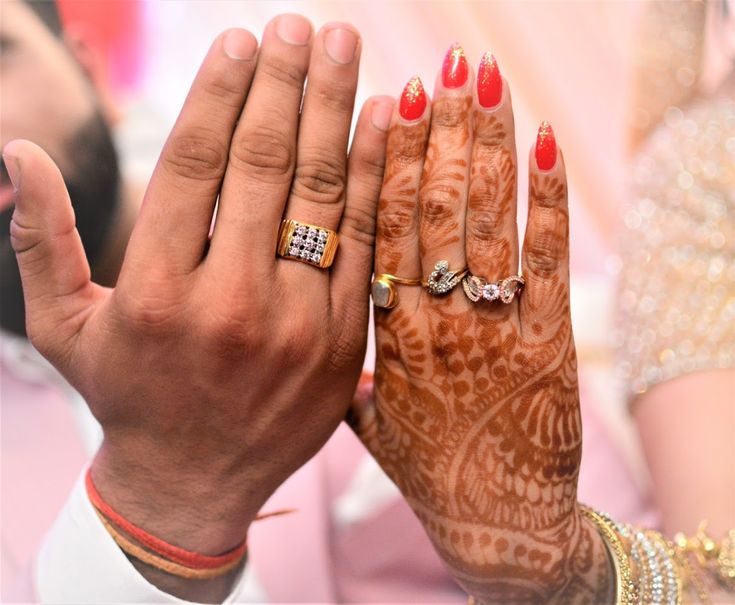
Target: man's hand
x: 476, y: 412
x: 216, y: 369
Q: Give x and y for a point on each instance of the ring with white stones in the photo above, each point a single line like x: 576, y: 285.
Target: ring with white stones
x: 383, y: 289
x: 442, y: 280
x: 307, y: 243
x: 477, y: 289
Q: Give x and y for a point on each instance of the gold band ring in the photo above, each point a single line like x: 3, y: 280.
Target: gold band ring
x: 384, y: 292
x: 442, y: 280
x: 477, y: 289
x: 307, y: 243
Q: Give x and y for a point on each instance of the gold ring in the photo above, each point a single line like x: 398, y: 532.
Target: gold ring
x: 442, y: 280
x: 384, y: 291
x: 307, y: 243
x: 476, y: 288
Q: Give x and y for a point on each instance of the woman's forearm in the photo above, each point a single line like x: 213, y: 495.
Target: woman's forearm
x: 687, y: 426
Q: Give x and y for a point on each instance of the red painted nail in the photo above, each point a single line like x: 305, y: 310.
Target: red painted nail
x: 454, y: 69
x: 413, y: 100
x: 545, y: 147
x: 489, y: 82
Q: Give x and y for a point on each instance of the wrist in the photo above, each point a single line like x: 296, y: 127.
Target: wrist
x: 198, y: 511
x: 566, y: 565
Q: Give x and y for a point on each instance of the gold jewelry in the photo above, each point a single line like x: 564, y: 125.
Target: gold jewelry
x: 307, y: 243
x: 476, y: 288
x: 626, y: 592
x: 442, y: 280
x: 384, y: 291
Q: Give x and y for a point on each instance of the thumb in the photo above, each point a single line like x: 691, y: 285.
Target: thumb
x: 53, y: 267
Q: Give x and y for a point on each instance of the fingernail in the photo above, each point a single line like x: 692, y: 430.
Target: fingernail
x: 545, y: 147
x: 489, y: 82
x: 381, y: 115
x: 341, y: 45
x: 12, y: 165
x: 293, y: 29
x: 413, y: 100
x: 239, y: 45
x: 454, y: 68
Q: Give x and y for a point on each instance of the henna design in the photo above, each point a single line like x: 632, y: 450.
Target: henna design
x: 397, y: 215
x: 491, y: 227
x: 445, y: 175
x: 477, y: 421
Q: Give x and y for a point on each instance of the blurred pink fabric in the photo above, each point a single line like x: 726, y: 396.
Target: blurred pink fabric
x: 42, y: 454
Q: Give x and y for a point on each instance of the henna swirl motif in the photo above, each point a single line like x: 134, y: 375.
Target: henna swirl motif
x: 477, y: 417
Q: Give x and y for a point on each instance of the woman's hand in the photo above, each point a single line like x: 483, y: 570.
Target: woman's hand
x: 215, y: 368
x: 476, y: 412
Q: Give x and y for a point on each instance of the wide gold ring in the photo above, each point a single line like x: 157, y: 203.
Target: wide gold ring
x: 307, y: 243
x: 442, y: 279
x: 383, y: 289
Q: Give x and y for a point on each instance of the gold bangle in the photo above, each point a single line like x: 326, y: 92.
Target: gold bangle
x: 626, y: 592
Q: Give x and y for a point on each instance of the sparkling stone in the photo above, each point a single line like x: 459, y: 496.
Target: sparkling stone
x: 491, y: 292
x: 300, y: 230
x: 320, y: 248
x: 315, y: 258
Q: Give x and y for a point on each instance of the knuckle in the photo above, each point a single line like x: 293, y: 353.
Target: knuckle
x: 545, y: 254
x: 336, y: 95
x: 450, y: 112
x: 320, y: 179
x: 438, y: 203
x: 300, y: 340
x: 541, y: 262
x: 496, y: 248
x: 229, y: 335
x: 395, y: 222
x: 358, y: 224
x: 370, y: 162
x: 263, y: 151
x: 224, y: 89
x: 406, y: 144
x: 486, y: 223
x: 282, y: 72
x: 196, y: 154
x: 150, y: 314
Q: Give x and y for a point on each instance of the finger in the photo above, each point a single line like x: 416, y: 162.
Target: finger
x: 354, y: 262
x: 53, y: 267
x: 174, y: 224
x: 397, y: 236
x: 317, y: 194
x: 263, y: 152
x: 546, y: 243
x: 444, y: 182
x: 491, y: 230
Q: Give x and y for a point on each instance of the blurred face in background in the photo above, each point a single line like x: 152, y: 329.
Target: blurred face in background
x: 48, y: 98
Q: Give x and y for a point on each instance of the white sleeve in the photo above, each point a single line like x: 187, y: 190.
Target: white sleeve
x: 80, y: 563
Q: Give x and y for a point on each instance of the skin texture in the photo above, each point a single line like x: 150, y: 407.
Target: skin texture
x: 178, y: 361
x: 476, y: 407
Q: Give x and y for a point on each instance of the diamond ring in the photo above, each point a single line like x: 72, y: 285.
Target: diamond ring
x: 442, y: 280
x: 476, y: 288
x: 307, y: 243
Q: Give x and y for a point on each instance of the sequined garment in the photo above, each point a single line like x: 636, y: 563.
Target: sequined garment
x: 676, y: 307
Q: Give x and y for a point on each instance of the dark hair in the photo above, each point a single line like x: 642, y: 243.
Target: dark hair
x: 48, y: 12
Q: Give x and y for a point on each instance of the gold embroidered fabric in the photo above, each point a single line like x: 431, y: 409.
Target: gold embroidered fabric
x: 676, y: 299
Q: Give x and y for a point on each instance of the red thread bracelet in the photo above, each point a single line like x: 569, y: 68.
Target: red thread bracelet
x: 179, y: 555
